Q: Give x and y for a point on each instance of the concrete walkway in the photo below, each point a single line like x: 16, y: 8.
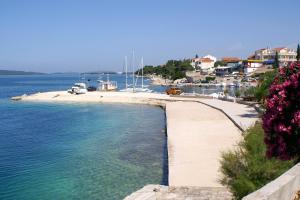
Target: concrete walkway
x: 245, y: 116
x: 197, y: 134
x: 160, y: 192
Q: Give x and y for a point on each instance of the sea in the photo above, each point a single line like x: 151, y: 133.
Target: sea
x: 77, y: 150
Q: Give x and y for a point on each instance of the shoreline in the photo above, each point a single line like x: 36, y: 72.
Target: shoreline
x: 97, y: 97
x: 190, y: 162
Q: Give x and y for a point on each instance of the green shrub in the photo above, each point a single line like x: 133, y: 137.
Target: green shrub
x: 210, y: 78
x: 246, y: 168
x: 262, y: 90
x: 249, y: 92
x: 237, y: 93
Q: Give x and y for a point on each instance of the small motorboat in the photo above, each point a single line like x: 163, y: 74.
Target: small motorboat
x: 78, y: 88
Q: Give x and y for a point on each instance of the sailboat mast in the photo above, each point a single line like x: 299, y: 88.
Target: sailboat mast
x: 133, y: 85
x: 142, y: 72
x: 126, y: 71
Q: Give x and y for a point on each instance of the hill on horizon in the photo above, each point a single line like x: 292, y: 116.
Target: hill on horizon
x: 15, y: 72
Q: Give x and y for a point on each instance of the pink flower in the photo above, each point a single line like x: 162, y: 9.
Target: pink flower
x: 281, y: 121
x: 287, y: 83
x: 281, y: 70
x: 296, y: 118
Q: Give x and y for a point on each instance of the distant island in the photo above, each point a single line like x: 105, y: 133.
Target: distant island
x: 13, y: 72
x: 104, y: 72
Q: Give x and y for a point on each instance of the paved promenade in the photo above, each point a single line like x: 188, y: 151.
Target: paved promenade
x: 245, y: 116
x: 197, y: 134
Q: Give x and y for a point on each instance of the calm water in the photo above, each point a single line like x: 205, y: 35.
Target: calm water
x: 76, y: 151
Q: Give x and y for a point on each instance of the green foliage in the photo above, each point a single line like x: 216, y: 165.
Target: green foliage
x: 249, y: 92
x: 246, y: 168
x: 298, y: 52
x: 148, y: 69
x: 237, y: 93
x: 266, y: 80
x: 173, y: 69
x: 208, y: 79
x: 276, y: 60
x: 219, y: 63
x: 261, y: 91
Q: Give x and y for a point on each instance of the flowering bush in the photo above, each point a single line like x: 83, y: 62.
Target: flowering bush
x: 281, y: 122
x: 246, y: 168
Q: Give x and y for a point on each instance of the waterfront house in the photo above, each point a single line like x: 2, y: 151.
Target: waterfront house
x: 195, y: 62
x: 285, y: 55
x: 223, y: 70
x: 233, y: 62
x: 204, y: 64
x: 251, y: 65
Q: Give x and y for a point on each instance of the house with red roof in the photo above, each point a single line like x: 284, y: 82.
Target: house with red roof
x: 204, y: 64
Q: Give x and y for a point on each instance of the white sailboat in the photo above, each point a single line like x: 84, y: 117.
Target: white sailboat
x: 143, y: 88
x: 127, y: 88
x: 134, y: 80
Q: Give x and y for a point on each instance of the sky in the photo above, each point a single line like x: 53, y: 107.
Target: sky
x: 90, y: 35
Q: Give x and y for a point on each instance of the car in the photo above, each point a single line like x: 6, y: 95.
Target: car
x: 173, y: 91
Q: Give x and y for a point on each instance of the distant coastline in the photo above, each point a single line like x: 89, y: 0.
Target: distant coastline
x: 13, y: 72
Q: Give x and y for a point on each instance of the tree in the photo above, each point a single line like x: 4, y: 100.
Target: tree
x: 196, y: 56
x: 219, y: 63
x: 173, y: 69
x: 276, y: 60
x: 281, y: 121
x: 298, y: 52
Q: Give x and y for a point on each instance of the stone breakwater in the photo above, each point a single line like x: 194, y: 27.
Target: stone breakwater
x: 197, y: 132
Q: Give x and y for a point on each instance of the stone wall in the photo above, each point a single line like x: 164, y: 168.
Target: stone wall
x: 160, y: 192
x: 285, y: 187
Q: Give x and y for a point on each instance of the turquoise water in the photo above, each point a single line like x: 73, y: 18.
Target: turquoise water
x: 76, y: 151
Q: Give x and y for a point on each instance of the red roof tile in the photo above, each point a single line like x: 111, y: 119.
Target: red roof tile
x: 231, y: 59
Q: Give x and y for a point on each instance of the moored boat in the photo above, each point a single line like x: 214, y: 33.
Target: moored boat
x: 107, y: 85
x: 78, y: 88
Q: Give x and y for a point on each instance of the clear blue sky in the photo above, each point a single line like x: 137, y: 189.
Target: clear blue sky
x: 86, y: 35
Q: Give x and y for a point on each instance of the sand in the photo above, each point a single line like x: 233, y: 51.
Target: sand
x: 99, y: 97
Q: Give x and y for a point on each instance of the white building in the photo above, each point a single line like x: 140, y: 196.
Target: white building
x: 204, y: 64
x: 285, y: 55
x: 195, y: 62
x: 252, y: 65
